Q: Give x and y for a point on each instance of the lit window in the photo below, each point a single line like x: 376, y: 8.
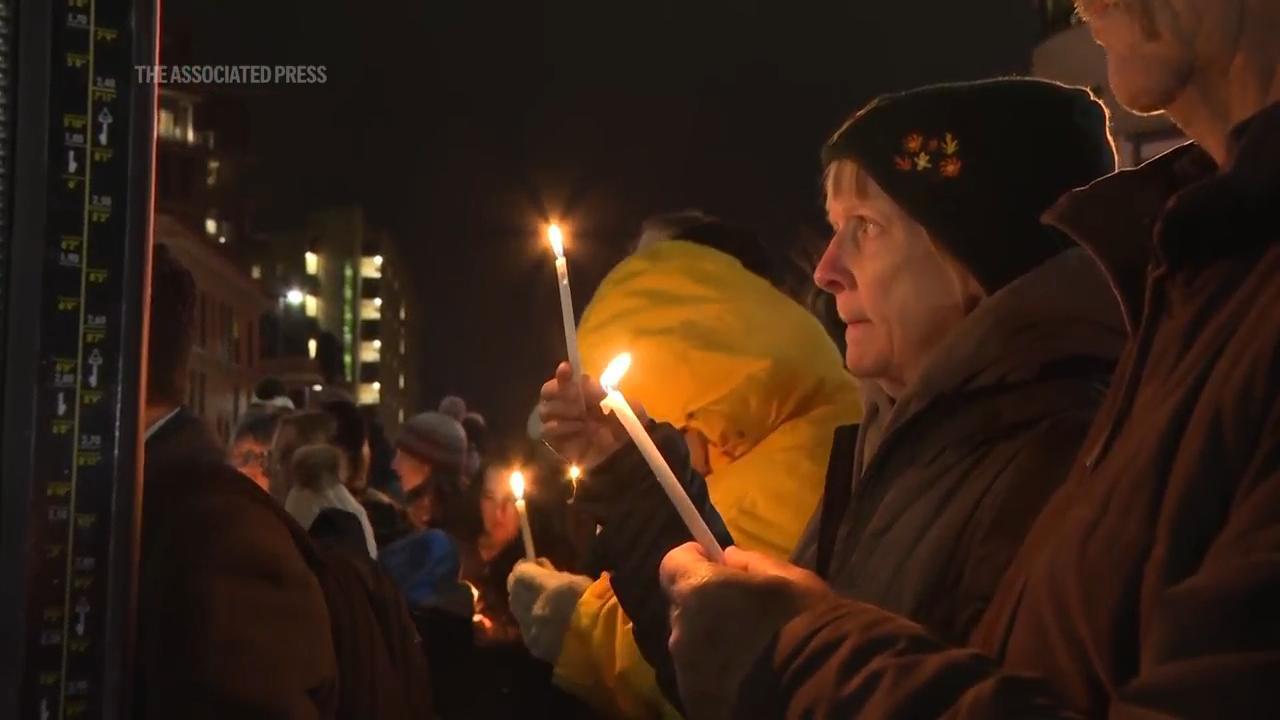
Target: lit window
x: 401, y: 381
x: 402, y: 346
x: 165, y: 125
x: 402, y: 313
x: 313, y: 305
x: 313, y: 263
x: 369, y: 394
x: 371, y: 267
x: 255, y: 272
x: 211, y: 172
x: 222, y: 239
x: 210, y: 226
x: 312, y: 348
x: 317, y: 388
x: 371, y: 351
x: 400, y: 414
x: 370, y: 310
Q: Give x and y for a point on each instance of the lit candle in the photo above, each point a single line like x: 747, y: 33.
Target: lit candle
x: 517, y: 489
x: 575, y: 474
x: 476, y: 615
x: 614, y: 402
x: 556, y: 238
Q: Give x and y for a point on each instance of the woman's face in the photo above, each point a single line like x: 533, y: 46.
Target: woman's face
x: 896, y: 293
x: 498, y: 507
x: 412, y: 471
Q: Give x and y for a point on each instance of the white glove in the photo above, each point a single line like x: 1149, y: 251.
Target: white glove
x: 542, y: 601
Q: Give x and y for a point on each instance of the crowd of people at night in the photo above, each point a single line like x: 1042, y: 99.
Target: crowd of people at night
x: 1042, y: 481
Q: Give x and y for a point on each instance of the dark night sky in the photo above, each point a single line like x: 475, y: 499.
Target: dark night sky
x: 460, y: 126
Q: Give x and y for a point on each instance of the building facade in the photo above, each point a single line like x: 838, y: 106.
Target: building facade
x: 340, y: 287
x: 200, y: 214
x: 200, y: 170
x: 1068, y: 54
x: 225, y: 363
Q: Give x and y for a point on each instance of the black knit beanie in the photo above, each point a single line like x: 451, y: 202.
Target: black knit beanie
x: 976, y: 164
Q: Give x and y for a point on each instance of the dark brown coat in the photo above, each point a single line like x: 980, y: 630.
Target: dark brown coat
x: 1150, y: 585
x: 232, y: 621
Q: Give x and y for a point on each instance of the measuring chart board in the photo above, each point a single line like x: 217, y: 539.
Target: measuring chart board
x: 6, y: 156
x: 79, y: 381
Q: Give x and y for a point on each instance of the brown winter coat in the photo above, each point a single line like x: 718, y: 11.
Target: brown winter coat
x: 1150, y: 585
x: 924, y: 514
x: 231, y: 619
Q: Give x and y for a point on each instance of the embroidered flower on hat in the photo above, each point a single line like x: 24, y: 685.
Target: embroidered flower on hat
x: 930, y: 154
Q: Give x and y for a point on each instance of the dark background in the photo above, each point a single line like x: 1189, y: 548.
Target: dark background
x: 462, y: 126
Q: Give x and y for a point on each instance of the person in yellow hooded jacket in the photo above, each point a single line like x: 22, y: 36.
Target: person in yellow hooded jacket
x: 757, y: 388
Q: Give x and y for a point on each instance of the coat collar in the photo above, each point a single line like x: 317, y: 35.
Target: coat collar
x: 1059, y: 312
x: 1178, y: 210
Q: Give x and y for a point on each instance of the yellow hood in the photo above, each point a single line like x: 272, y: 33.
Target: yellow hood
x: 718, y: 349
x: 715, y: 347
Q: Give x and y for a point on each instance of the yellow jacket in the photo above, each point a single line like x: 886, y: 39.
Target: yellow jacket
x: 717, y: 349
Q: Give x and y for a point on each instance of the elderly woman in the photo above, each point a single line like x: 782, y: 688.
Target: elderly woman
x: 981, y: 341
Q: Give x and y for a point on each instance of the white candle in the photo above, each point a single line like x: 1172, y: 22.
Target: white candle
x: 556, y: 238
x: 517, y: 489
x: 617, y: 404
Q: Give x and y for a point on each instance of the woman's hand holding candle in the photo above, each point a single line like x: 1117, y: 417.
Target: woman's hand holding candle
x: 573, y: 423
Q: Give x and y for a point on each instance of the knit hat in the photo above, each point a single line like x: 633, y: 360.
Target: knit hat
x: 976, y: 164
x: 454, y: 406
x: 435, y: 438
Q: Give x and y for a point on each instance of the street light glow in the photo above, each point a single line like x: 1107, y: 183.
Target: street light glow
x: 294, y: 296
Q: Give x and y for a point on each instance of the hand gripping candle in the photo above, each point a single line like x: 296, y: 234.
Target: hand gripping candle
x: 615, y: 403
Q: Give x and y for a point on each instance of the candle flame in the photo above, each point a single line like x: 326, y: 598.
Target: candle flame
x: 575, y: 472
x: 612, y: 374
x: 556, y: 238
x: 517, y: 484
